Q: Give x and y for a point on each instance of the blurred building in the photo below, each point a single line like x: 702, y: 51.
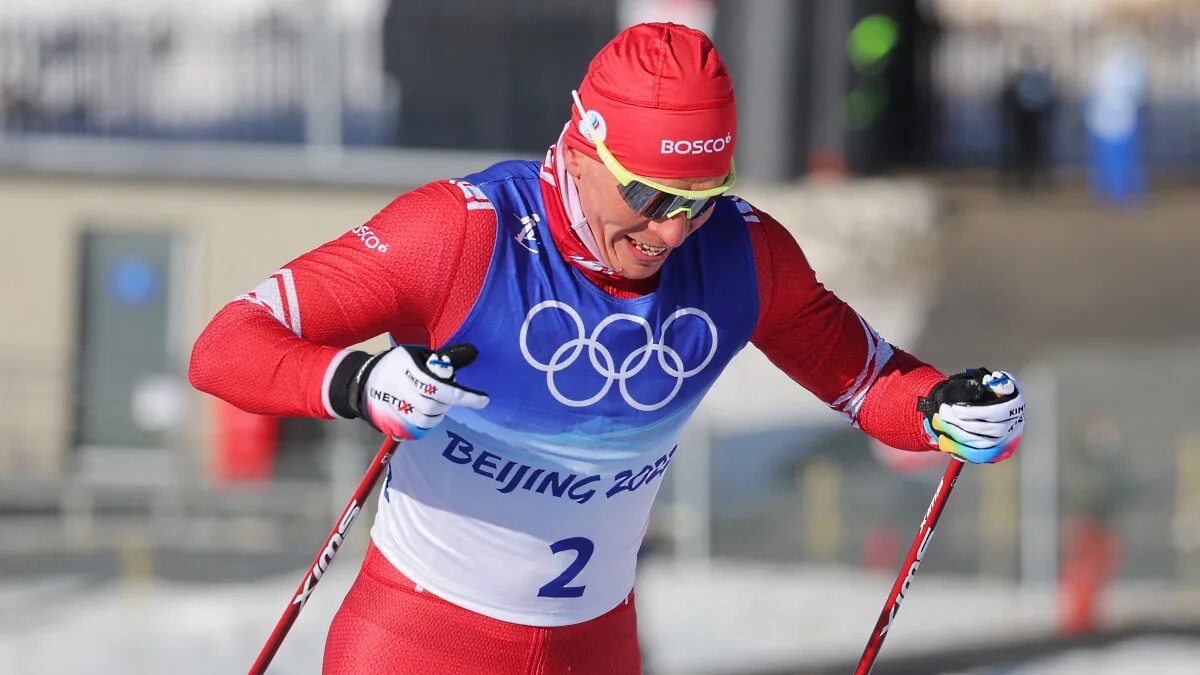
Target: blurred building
x: 158, y: 159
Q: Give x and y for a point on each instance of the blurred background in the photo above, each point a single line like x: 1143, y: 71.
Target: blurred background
x: 1009, y: 183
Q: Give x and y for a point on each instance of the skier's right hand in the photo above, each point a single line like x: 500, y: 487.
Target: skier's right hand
x: 406, y: 391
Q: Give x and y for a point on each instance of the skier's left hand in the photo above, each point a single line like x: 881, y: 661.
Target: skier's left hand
x: 977, y: 415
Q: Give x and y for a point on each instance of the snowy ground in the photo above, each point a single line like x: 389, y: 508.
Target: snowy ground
x: 728, y: 619
x: 720, y: 620
x: 1157, y: 655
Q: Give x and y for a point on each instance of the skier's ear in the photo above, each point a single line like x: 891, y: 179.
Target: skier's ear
x: 575, y: 161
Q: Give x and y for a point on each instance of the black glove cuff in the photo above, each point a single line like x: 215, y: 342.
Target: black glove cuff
x: 343, y: 387
x: 965, y: 388
x: 929, y: 404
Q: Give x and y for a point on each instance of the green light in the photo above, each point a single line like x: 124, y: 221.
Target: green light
x: 871, y: 42
x: 865, y: 104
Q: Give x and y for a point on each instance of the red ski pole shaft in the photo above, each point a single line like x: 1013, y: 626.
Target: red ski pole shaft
x: 325, y: 554
x: 909, y: 569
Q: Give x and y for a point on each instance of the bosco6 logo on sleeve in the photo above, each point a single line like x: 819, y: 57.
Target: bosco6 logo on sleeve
x: 369, y: 238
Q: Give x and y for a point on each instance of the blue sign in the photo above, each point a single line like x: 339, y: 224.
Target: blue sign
x: 134, y: 281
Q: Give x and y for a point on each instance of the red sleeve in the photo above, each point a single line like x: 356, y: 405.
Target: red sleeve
x: 414, y: 271
x: 889, y: 412
x: 816, y: 338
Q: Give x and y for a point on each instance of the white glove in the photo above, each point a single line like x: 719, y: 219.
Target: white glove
x: 406, y: 391
x: 977, y: 415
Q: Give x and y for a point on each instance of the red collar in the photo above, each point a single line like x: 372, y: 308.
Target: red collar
x: 573, y: 250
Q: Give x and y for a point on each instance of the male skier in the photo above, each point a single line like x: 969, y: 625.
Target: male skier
x: 603, y: 289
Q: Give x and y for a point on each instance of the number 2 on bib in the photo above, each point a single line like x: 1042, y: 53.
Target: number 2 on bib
x: 558, y: 587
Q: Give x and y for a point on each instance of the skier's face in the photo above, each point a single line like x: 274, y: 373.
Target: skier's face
x: 632, y: 245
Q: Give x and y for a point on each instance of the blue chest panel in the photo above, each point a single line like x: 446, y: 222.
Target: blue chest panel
x: 568, y: 365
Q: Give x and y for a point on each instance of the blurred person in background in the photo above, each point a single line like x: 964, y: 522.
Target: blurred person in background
x: 602, y: 290
x: 1097, y: 486
x: 1027, y: 103
x: 1115, y: 121
x: 17, y: 108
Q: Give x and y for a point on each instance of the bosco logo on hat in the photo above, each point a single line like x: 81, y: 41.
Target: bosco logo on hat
x: 664, y: 103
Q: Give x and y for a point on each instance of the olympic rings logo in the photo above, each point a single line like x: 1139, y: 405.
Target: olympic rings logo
x: 602, y: 360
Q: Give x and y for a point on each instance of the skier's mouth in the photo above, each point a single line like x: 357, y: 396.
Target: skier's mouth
x: 652, y: 251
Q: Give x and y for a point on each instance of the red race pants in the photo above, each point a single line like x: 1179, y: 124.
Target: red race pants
x: 385, y: 625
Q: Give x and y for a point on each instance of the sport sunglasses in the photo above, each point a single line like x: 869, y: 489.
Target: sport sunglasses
x: 647, y: 198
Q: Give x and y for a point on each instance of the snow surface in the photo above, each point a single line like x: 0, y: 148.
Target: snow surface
x: 1157, y: 655
x: 723, y: 618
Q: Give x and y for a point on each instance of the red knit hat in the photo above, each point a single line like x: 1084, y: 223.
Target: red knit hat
x: 665, y: 100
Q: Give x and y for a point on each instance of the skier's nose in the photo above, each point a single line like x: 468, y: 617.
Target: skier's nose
x: 672, y: 230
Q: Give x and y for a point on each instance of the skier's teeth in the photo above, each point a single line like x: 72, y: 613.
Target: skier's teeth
x: 647, y: 249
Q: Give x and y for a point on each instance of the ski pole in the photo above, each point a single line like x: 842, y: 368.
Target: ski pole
x: 909, y: 569
x: 324, y: 556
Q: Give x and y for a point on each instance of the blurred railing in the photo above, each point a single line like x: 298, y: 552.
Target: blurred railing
x: 59, y: 496
x: 1109, y: 475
